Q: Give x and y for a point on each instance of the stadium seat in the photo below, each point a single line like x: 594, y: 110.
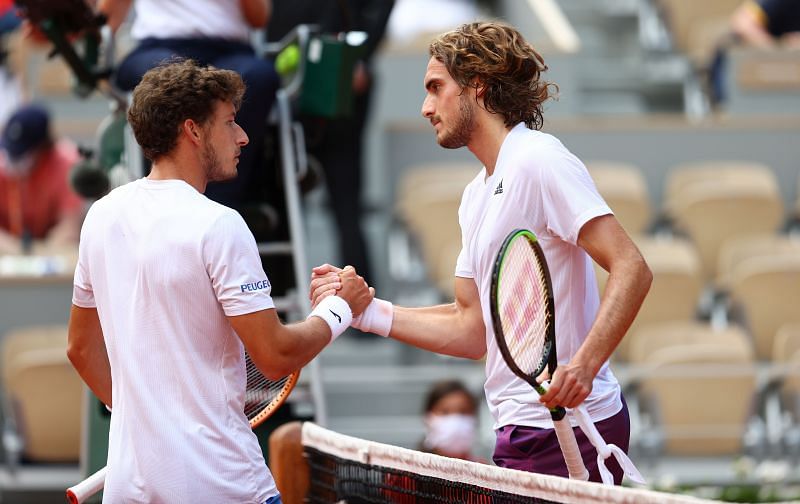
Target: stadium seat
x: 43, y: 394
x: 691, y: 374
x: 676, y: 288
x: 737, y: 249
x: 714, y: 210
x: 683, y: 176
x: 624, y: 188
x: 426, y: 210
x: 767, y: 288
x: 698, y: 27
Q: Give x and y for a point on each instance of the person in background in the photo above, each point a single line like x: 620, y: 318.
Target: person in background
x: 37, y: 203
x: 764, y: 24
x: 211, y: 32
x: 767, y: 23
x: 451, y: 420
x: 338, y: 143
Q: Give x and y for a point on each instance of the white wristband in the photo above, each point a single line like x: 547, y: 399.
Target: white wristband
x: 335, y: 312
x: 377, y: 318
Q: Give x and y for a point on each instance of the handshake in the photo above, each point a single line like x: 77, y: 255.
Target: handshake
x: 331, y: 285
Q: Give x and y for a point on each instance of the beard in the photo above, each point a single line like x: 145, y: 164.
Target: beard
x: 212, y: 167
x: 462, y: 129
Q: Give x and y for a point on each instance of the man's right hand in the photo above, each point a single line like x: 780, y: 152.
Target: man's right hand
x: 346, y: 283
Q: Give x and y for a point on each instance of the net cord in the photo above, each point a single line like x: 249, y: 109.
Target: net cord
x: 504, y: 480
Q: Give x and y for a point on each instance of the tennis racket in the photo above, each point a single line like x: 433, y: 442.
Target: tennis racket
x: 262, y: 398
x: 523, y: 317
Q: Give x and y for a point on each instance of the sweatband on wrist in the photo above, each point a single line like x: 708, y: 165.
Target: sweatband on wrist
x: 377, y: 318
x: 335, y: 312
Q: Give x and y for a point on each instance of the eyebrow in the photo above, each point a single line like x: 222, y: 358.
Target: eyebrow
x: 430, y: 82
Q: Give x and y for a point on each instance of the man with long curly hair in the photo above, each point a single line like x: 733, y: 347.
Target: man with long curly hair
x: 485, y: 92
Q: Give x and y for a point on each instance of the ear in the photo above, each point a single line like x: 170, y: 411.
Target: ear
x: 193, y: 131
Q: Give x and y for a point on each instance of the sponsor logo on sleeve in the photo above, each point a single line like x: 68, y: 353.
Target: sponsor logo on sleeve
x: 256, y: 286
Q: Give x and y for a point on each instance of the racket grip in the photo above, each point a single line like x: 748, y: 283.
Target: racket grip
x: 569, y: 447
x: 77, y: 494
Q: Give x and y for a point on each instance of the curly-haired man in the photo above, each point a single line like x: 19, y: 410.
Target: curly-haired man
x: 484, y: 91
x: 169, y: 291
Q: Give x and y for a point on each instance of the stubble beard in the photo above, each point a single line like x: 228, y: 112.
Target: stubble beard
x: 212, y: 167
x: 462, y: 129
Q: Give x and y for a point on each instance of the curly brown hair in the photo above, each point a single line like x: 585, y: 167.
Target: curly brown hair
x: 495, y: 57
x: 177, y: 90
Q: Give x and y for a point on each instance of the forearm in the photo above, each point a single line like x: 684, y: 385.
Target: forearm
x: 256, y: 12
x: 748, y: 23
x: 86, y: 350
x: 626, y: 288
x: 444, y: 329
x: 115, y: 10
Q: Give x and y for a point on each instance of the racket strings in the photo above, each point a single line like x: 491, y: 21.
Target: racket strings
x: 261, y: 392
x: 523, y: 305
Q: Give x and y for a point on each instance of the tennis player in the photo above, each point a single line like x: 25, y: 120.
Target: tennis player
x: 169, y: 290
x: 485, y: 91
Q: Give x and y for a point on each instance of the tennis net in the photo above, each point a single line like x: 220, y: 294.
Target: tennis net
x: 351, y: 470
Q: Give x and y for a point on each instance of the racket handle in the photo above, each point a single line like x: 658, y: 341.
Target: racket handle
x: 78, y: 494
x: 569, y: 447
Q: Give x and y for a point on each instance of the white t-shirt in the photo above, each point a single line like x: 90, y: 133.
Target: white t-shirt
x: 537, y: 185
x: 189, y: 19
x: 164, y: 266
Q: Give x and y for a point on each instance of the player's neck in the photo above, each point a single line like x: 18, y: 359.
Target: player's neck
x: 486, y: 140
x: 174, y: 166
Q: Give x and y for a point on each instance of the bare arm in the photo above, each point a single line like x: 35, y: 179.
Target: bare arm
x: 455, y: 329
x: 86, y: 350
x: 629, y: 280
x: 278, y: 349
x: 256, y: 12
x: 115, y: 10
x: 749, y: 23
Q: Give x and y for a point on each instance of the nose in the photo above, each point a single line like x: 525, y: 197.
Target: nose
x: 427, y: 107
x: 243, y: 139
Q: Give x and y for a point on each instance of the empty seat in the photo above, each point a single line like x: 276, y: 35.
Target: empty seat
x: 682, y: 176
x: 767, y: 289
x: 713, y: 211
x: 43, y: 393
x: 737, y: 249
x: 624, y: 188
x: 701, y: 384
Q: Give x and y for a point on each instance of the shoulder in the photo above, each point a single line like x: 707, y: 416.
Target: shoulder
x: 536, y: 153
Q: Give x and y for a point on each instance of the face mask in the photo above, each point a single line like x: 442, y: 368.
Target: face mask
x: 450, y: 433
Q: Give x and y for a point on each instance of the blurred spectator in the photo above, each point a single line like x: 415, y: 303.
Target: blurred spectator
x: 768, y: 23
x: 338, y: 143
x: 764, y: 24
x: 36, y: 200
x: 451, y: 420
x: 9, y: 21
x: 211, y: 32
x: 412, y: 19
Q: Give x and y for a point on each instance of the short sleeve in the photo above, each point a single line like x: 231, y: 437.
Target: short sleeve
x: 464, y: 261
x: 570, y: 198
x: 82, y: 291
x: 234, y: 267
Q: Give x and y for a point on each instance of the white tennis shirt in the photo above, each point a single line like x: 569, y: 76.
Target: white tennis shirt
x: 164, y: 265
x: 538, y: 185
x: 189, y: 19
